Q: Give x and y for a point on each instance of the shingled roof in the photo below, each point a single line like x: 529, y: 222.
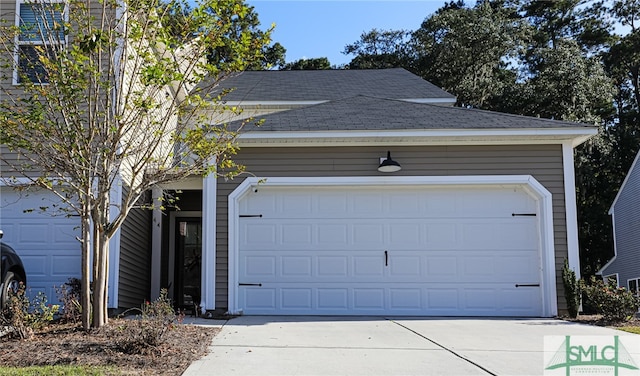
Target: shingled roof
x: 368, y: 113
x: 324, y: 85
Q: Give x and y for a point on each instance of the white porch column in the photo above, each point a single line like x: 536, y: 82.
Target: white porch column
x: 156, y: 243
x: 571, y: 210
x: 114, y: 246
x: 208, y: 283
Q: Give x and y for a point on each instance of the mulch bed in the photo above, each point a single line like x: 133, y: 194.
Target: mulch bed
x: 70, y: 345
x: 599, y: 321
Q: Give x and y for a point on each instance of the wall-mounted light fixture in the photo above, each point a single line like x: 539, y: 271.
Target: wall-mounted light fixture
x: 388, y: 164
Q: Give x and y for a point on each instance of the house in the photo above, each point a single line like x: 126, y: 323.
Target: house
x: 623, y: 268
x: 477, y: 222
x: 475, y: 218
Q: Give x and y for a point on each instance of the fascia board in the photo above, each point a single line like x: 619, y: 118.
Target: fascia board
x: 417, y: 137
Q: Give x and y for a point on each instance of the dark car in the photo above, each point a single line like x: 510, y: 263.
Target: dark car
x: 12, y: 272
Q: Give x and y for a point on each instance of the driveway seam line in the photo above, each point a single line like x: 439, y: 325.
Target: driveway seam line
x: 444, y: 348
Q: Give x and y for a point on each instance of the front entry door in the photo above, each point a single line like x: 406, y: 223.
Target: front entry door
x: 188, y: 262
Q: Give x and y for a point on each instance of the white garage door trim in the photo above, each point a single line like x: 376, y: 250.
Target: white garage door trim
x: 530, y: 184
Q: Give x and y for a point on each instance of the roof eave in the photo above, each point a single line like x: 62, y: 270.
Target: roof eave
x: 575, y: 136
x: 304, y: 103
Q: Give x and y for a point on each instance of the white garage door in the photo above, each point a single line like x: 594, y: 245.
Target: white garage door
x: 45, y: 242
x: 389, y: 251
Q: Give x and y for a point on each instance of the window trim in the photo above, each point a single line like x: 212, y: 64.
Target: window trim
x: 19, y: 43
x: 637, y: 281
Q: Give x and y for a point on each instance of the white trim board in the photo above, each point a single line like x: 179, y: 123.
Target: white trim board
x: 499, y: 136
x: 531, y: 185
x: 571, y: 209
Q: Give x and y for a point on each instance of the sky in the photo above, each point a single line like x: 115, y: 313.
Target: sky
x: 322, y: 28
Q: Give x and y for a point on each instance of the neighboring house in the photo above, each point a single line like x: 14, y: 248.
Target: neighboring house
x: 477, y: 222
x: 624, y: 267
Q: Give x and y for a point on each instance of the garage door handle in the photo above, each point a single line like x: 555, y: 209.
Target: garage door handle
x: 250, y: 284
x: 386, y: 258
x: 528, y: 285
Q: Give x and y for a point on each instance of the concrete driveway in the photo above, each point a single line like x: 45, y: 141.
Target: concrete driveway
x: 286, y: 345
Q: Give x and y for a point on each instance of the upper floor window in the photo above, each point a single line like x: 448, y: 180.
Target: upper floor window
x: 41, y: 30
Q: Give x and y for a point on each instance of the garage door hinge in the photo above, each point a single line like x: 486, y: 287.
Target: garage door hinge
x: 523, y: 214
x: 250, y: 215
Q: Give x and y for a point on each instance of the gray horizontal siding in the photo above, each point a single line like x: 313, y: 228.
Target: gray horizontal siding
x: 135, y: 259
x: 544, y: 162
x: 626, y: 218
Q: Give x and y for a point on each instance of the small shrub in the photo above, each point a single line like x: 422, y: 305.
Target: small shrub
x: 572, y: 290
x: 147, y: 329
x: 24, y: 315
x: 614, y: 303
x: 69, y: 296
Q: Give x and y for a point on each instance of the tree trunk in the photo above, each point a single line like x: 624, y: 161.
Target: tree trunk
x: 101, y: 250
x: 85, y: 285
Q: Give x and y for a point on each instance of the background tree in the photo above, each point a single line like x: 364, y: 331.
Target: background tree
x: 559, y: 59
x: 318, y: 63
x: 379, y: 49
x: 114, y: 97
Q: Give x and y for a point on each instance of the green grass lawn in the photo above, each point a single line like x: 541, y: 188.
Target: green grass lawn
x: 630, y: 329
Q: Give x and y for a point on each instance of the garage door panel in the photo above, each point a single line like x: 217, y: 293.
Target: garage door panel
x: 63, y: 266
x: 332, y: 266
x: 366, y: 234
x: 480, y: 299
x: 442, y: 266
x: 406, y: 251
x: 368, y: 299
x: 405, y: 234
x: 258, y: 267
x: 397, y: 299
x: 45, y: 240
x: 405, y: 298
x: 442, y: 235
x: 476, y: 268
x: 358, y: 202
x: 518, y: 299
x: 331, y: 205
x: 367, y: 266
x: 335, y: 299
x: 296, y: 204
x: 366, y: 204
x: 405, y: 266
x: 32, y: 233
x: 297, y: 234
x: 37, y: 265
x: 346, y: 266
x: 296, y: 266
x: 442, y: 298
x: 296, y: 298
x: 258, y: 235
x: 333, y: 234
x: 259, y: 300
